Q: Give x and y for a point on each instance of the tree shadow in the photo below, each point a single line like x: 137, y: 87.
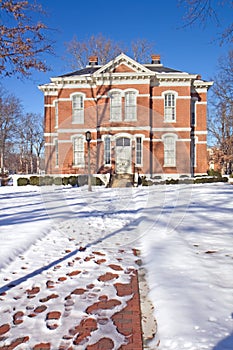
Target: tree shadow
x: 130, y: 227
x: 225, y: 344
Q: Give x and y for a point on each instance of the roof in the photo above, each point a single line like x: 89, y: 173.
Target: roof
x: 91, y: 70
x: 161, y: 69
x: 83, y: 71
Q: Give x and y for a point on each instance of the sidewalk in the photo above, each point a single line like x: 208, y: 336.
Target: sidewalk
x: 87, y: 300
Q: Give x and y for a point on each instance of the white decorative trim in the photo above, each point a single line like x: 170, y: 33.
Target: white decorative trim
x: 50, y: 134
x: 129, y: 128
x: 171, y: 129
x: 123, y: 58
x: 200, y: 132
x: 201, y: 142
x: 168, y: 135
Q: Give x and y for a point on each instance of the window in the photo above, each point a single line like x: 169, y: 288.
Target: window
x: 123, y: 141
x: 107, y: 151
x: 138, y: 151
x: 77, y: 109
x: 193, y: 111
x: 170, y: 150
x: 78, y: 151
x: 56, y: 152
x: 169, y: 107
x: 115, y: 109
x: 130, y: 105
x: 56, y: 113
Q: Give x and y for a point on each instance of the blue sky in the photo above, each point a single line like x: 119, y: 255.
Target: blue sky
x: 193, y: 50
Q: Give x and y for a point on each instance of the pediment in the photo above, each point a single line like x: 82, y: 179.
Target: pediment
x: 123, y: 64
x: 122, y: 68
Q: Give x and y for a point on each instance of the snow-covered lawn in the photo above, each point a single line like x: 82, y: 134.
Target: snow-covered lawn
x: 184, y: 233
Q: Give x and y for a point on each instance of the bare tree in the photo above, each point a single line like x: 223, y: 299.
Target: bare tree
x: 220, y: 123
x: 98, y: 45
x: 106, y: 49
x: 22, y: 40
x: 141, y: 49
x: 199, y: 11
x: 10, y: 114
x: 31, y: 141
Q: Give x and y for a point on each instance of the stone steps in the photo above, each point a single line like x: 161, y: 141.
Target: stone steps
x: 122, y: 180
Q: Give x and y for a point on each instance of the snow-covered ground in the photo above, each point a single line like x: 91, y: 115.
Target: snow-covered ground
x: 184, y: 233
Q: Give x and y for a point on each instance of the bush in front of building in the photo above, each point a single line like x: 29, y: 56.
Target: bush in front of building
x: 57, y: 181
x: 22, y: 181
x: 34, y: 180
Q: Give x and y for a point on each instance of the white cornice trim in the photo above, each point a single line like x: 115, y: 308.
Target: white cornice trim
x: 200, y: 132
x: 50, y: 134
x: 169, y: 129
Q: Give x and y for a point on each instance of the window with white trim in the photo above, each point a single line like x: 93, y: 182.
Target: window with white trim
x: 78, y: 150
x: 78, y: 109
x: 138, y: 153
x: 115, y: 106
x: 56, y: 113
x: 107, y: 151
x: 169, y: 107
x: 130, y: 105
x: 56, y: 153
x: 169, y: 150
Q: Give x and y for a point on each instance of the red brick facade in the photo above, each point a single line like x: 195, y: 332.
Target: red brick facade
x: 148, y: 119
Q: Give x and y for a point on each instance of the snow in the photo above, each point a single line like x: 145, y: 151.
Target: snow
x: 184, y: 233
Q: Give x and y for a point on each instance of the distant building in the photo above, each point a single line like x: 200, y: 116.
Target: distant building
x: 143, y: 118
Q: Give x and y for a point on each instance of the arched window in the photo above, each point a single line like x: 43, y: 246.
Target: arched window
x: 169, y: 107
x: 115, y: 106
x: 123, y: 141
x: 78, y: 109
x: 130, y: 105
x: 169, y: 150
x: 78, y: 151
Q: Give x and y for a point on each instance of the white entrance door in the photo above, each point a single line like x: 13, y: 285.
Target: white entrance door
x: 123, y: 155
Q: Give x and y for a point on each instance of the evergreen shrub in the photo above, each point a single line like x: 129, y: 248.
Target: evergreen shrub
x: 22, y: 181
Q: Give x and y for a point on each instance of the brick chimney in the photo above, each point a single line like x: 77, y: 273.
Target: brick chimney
x: 155, y: 59
x: 93, y: 60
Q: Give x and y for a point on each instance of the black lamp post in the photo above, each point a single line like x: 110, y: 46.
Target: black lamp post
x: 88, y: 139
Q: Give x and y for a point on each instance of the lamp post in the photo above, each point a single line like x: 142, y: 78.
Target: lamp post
x: 88, y: 139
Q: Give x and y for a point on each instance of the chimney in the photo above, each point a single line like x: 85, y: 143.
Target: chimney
x: 155, y: 59
x: 93, y: 61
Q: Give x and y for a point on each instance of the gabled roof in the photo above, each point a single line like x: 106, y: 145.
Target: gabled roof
x: 123, y: 60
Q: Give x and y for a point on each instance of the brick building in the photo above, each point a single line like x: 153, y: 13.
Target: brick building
x: 143, y: 118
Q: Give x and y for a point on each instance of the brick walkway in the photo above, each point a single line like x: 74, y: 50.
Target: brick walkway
x: 126, y: 320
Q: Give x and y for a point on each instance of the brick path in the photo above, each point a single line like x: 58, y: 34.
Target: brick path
x: 127, y: 320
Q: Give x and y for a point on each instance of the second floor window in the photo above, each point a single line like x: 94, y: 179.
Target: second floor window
x: 77, y: 109
x: 115, y: 106
x: 169, y: 107
x: 130, y: 105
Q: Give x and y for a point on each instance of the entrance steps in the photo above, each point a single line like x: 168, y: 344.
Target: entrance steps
x: 122, y: 180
